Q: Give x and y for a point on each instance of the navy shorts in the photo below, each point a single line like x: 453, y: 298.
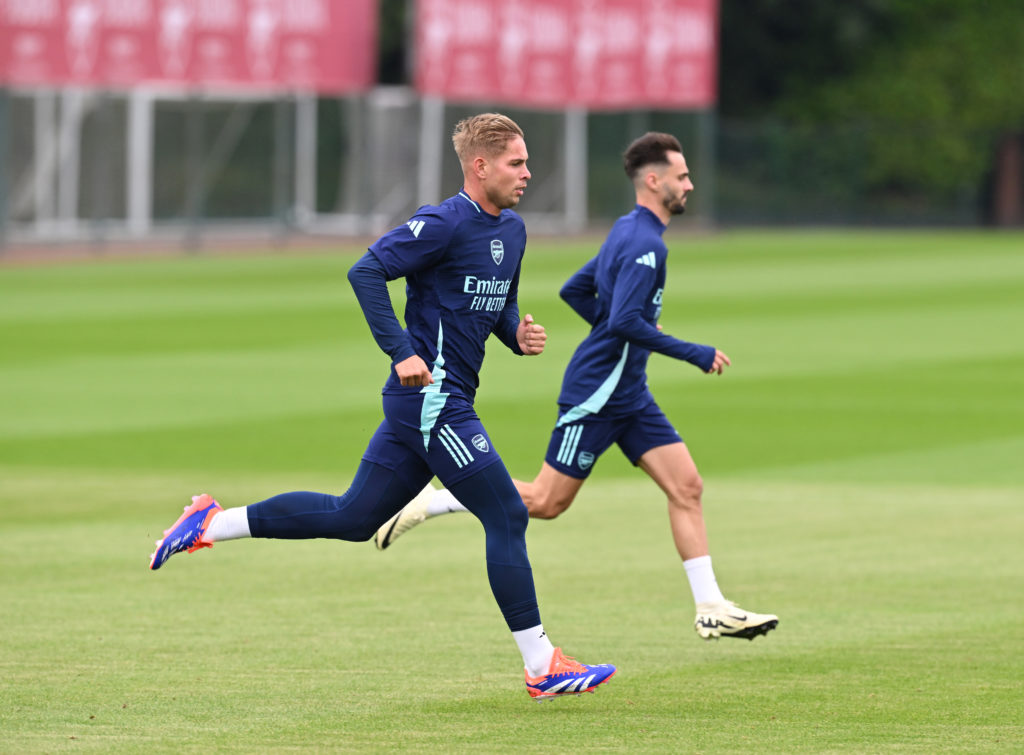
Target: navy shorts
x: 575, y: 446
x: 424, y: 435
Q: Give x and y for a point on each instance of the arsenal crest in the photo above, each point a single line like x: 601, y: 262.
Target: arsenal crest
x: 497, y: 251
x: 480, y: 441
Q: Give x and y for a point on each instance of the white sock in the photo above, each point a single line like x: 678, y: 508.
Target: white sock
x: 702, y: 580
x: 443, y: 502
x: 229, y: 524
x: 536, y: 648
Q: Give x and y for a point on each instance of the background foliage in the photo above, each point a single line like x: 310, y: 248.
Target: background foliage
x: 922, y: 91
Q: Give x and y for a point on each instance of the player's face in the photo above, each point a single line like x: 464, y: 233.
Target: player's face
x: 507, y: 175
x: 675, y: 184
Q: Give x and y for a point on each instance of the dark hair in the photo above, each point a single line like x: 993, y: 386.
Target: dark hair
x: 649, y: 148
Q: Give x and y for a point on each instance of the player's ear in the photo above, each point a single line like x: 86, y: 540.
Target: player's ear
x: 480, y: 167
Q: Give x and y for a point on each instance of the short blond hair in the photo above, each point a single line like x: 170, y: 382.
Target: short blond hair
x: 487, y: 133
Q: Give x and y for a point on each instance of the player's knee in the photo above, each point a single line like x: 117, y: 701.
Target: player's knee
x: 547, y: 507
x: 518, y: 518
x: 688, y: 492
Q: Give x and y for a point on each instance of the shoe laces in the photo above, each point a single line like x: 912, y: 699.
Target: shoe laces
x: 568, y: 665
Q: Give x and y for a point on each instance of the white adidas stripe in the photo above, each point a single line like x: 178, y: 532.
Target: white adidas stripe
x: 565, y: 441
x: 557, y: 687
x: 455, y: 457
x: 415, y: 226
x: 570, y: 442
x: 455, y: 446
x: 575, y: 443
x: 457, y: 439
x: 647, y: 259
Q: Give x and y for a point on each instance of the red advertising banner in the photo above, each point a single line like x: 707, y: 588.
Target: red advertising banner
x: 324, y: 45
x: 597, y: 54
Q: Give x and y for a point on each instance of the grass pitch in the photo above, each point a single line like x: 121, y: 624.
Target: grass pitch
x: 863, y: 480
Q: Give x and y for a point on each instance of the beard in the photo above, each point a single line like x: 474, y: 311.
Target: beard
x: 674, y: 205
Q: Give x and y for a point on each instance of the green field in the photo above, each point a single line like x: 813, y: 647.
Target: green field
x: 862, y: 461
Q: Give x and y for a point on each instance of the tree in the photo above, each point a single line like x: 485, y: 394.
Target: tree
x: 940, y: 103
x: 931, y: 87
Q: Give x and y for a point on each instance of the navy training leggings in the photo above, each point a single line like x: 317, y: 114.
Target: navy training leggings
x: 377, y: 493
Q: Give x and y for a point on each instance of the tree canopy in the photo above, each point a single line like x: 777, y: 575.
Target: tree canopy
x: 937, y: 82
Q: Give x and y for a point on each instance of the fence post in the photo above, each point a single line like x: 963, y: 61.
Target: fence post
x: 305, y: 158
x: 102, y: 175
x: 431, y: 150
x: 139, y: 178
x: 282, y: 146
x: 576, y: 197
x: 704, y: 169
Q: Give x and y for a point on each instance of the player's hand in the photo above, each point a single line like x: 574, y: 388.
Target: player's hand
x: 413, y: 371
x: 531, y: 336
x: 721, y: 362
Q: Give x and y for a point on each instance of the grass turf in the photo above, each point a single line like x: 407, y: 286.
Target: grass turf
x: 862, y: 468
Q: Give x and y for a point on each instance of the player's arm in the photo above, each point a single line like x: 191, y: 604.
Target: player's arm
x: 521, y: 336
x: 397, y: 254
x: 369, y: 281
x: 626, y: 321
x: 580, y: 291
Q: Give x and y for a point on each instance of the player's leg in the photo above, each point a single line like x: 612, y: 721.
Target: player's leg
x: 675, y: 472
x: 459, y: 451
x: 388, y: 477
x: 491, y: 496
x: 550, y: 493
x: 655, y: 446
x: 376, y: 493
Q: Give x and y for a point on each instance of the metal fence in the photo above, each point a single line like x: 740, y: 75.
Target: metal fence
x: 93, y: 165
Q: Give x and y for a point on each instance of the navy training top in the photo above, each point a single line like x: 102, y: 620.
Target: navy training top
x: 461, y: 267
x: 619, y: 292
